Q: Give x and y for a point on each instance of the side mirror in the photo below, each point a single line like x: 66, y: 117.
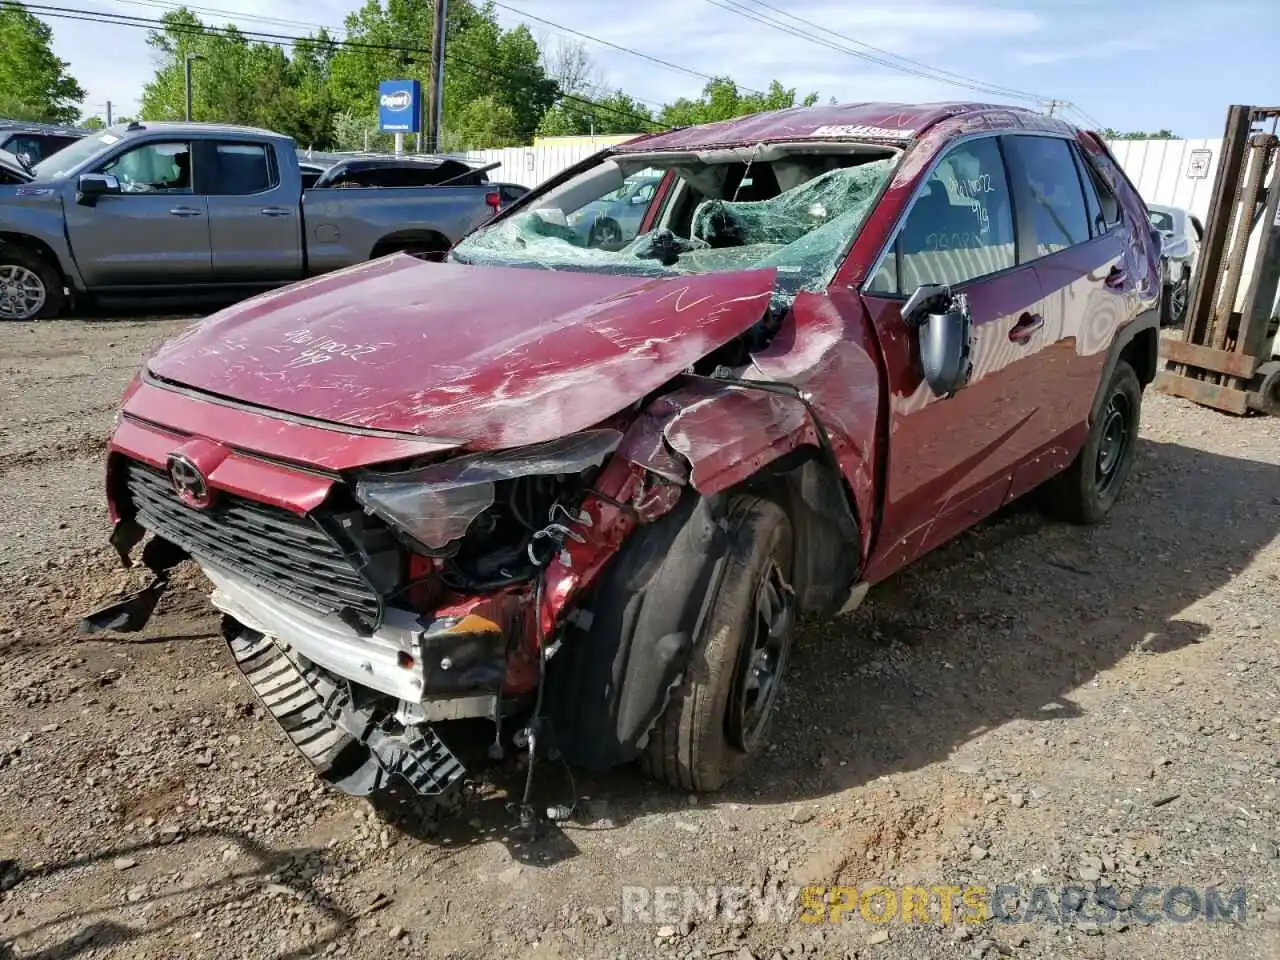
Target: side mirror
x: 945, y: 333
x: 93, y: 186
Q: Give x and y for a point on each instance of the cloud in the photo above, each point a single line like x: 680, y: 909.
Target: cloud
x: 717, y: 41
x: 1104, y: 50
x: 964, y: 36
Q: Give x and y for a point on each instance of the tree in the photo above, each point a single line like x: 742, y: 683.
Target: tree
x: 569, y: 64
x: 34, y: 84
x: 721, y: 100
x: 1108, y: 133
x: 501, y: 88
x: 93, y: 123
x: 236, y: 80
x: 610, y: 114
x: 484, y: 65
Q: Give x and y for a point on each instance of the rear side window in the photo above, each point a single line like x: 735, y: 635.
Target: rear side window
x: 960, y: 226
x: 1055, y: 201
x: 1109, y: 206
x: 241, y: 169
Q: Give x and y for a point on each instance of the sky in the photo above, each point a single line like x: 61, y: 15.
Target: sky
x: 1139, y: 65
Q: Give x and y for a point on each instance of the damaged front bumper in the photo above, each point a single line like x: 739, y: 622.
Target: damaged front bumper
x: 345, y: 742
x: 328, y: 685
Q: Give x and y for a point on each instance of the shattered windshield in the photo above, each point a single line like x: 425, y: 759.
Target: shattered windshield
x: 794, y: 216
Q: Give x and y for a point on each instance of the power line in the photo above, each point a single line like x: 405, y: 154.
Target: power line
x: 1088, y: 118
x: 128, y: 20
x: 679, y: 68
x: 312, y: 26
x: 927, y: 73
x: 939, y: 72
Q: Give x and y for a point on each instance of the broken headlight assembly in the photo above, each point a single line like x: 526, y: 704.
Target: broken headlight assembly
x: 482, y: 514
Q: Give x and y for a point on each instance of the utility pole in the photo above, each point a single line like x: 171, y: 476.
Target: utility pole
x: 187, y: 67
x: 1053, y: 105
x: 435, y: 86
x: 108, y: 113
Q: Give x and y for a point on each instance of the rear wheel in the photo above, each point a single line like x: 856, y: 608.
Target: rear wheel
x: 1265, y: 388
x: 30, y: 288
x: 1087, y: 490
x: 719, y: 716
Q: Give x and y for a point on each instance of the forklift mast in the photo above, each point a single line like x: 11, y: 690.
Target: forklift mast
x: 1224, y: 357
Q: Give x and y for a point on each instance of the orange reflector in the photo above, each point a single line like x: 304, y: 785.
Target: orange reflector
x: 472, y: 623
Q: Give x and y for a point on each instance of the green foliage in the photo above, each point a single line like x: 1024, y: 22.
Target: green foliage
x: 495, y: 89
x: 236, y: 80
x: 722, y: 100
x: 34, y: 84
x: 1108, y: 133
x: 500, y: 87
x: 612, y: 113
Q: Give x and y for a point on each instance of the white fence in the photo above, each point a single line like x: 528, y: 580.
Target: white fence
x: 529, y: 166
x: 1178, y: 173
x: 1175, y: 172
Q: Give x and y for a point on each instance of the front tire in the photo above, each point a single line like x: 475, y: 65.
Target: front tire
x: 1086, y: 491
x: 30, y: 287
x: 718, y: 717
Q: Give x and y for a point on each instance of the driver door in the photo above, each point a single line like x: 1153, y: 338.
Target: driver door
x: 155, y: 232
x: 951, y: 460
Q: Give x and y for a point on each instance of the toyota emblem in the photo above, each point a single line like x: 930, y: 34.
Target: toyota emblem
x: 188, y: 482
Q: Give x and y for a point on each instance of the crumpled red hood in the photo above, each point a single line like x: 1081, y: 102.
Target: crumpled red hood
x: 491, y: 357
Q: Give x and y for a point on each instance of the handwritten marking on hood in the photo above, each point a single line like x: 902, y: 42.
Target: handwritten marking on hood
x: 679, y: 294
x: 322, y: 349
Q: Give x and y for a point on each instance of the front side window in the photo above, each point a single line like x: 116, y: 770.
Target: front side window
x: 960, y: 226
x: 240, y: 169
x: 1058, y: 214
x: 153, y: 168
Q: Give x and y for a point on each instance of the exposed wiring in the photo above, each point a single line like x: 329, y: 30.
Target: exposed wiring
x: 527, y: 816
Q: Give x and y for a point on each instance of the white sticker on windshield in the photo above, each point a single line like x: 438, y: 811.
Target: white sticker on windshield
x: 109, y: 139
x: 862, y: 130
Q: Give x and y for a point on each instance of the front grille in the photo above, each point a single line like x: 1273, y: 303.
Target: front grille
x: 276, y: 549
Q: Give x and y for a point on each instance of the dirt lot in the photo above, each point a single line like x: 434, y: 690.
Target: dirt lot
x: 1034, y: 705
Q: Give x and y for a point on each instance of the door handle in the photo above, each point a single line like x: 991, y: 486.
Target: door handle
x: 1117, y: 278
x: 275, y: 211
x: 184, y: 212
x: 1027, y: 324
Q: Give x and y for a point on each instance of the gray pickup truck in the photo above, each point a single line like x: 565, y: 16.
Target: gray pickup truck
x: 185, y: 211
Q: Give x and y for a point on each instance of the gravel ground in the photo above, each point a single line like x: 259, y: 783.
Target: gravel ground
x: 1033, y: 705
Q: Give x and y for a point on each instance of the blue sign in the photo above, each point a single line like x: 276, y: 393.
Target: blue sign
x: 400, y: 106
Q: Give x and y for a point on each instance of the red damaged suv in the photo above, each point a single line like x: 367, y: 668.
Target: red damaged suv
x: 581, y: 487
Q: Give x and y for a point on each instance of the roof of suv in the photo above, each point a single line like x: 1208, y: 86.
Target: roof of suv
x: 862, y: 121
